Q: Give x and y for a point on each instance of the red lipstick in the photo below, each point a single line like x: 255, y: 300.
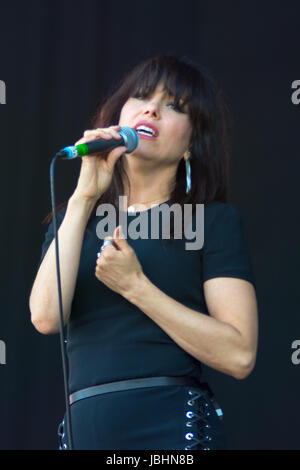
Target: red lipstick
x: 150, y: 126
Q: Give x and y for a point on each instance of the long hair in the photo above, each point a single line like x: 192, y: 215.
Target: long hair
x: 211, y: 120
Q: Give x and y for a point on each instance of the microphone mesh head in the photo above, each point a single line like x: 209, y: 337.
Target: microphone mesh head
x: 130, y: 138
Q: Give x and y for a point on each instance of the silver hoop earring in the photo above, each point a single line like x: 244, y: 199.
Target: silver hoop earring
x: 188, y: 175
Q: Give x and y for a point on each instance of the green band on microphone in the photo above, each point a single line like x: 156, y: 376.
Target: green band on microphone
x: 82, y: 150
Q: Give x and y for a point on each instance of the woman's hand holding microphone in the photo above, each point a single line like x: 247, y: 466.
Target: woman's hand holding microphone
x: 96, y: 170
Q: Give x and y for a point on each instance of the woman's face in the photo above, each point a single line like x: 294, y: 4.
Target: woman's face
x: 164, y: 132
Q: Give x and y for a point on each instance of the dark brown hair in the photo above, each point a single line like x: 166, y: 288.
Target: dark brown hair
x: 211, y: 123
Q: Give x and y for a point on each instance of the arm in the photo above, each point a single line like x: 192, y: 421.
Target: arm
x: 226, y: 340
x: 43, y: 300
x: 94, y: 179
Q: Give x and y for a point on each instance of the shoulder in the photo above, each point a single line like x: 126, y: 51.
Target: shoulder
x: 217, y: 212
x: 218, y: 207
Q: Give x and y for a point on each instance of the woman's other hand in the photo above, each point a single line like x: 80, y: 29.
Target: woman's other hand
x: 118, y: 266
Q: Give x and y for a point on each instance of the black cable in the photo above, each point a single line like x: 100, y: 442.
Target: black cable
x: 61, y: 321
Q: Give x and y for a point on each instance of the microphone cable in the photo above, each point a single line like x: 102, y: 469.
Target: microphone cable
x: 63, y: 341
x: 130, y: 140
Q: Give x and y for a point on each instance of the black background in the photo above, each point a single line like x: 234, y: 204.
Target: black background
x: 58, y: 60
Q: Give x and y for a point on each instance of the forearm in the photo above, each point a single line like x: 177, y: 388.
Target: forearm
x: 44, y: 305
x: 213, y: 342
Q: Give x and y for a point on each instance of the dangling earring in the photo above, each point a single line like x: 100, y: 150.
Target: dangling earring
x: 188, y: 174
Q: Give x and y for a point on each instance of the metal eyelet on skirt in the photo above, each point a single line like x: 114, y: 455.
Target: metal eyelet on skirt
x: 61, y: 436
x: 199, y: 436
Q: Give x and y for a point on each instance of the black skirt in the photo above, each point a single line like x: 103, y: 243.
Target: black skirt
x: 157, y: 418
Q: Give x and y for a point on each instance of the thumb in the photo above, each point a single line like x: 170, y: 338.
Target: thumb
x: 119, y: 238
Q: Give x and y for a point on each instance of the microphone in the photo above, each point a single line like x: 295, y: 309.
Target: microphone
x: 129, y: 139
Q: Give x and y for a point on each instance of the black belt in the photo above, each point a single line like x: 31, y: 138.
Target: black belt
x: 136, y: 383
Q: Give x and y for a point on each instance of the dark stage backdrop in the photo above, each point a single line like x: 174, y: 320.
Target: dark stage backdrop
x: 58, y: 59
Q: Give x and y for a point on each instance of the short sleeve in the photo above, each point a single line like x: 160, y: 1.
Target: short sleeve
x: 225, y: 251
x: 50, y: 234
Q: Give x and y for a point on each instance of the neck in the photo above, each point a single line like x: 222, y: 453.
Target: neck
x: 147, y: 185
x: 144, y: 204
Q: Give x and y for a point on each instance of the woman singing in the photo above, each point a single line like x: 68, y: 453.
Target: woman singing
x: 143, y: 316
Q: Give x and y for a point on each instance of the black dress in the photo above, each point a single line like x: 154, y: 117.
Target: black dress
x: 110, y: 339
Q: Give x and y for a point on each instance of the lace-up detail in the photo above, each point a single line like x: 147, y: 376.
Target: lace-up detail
x: 197, y: 423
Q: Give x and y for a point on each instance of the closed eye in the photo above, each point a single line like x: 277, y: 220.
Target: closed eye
x: 179, y: 109
x: 170, y: 104
x: 138, y: 96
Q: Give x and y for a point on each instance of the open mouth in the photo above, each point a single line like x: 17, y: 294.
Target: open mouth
x: 145, y: 131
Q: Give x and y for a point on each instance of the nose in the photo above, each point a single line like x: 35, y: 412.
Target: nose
x: 151, y: 109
